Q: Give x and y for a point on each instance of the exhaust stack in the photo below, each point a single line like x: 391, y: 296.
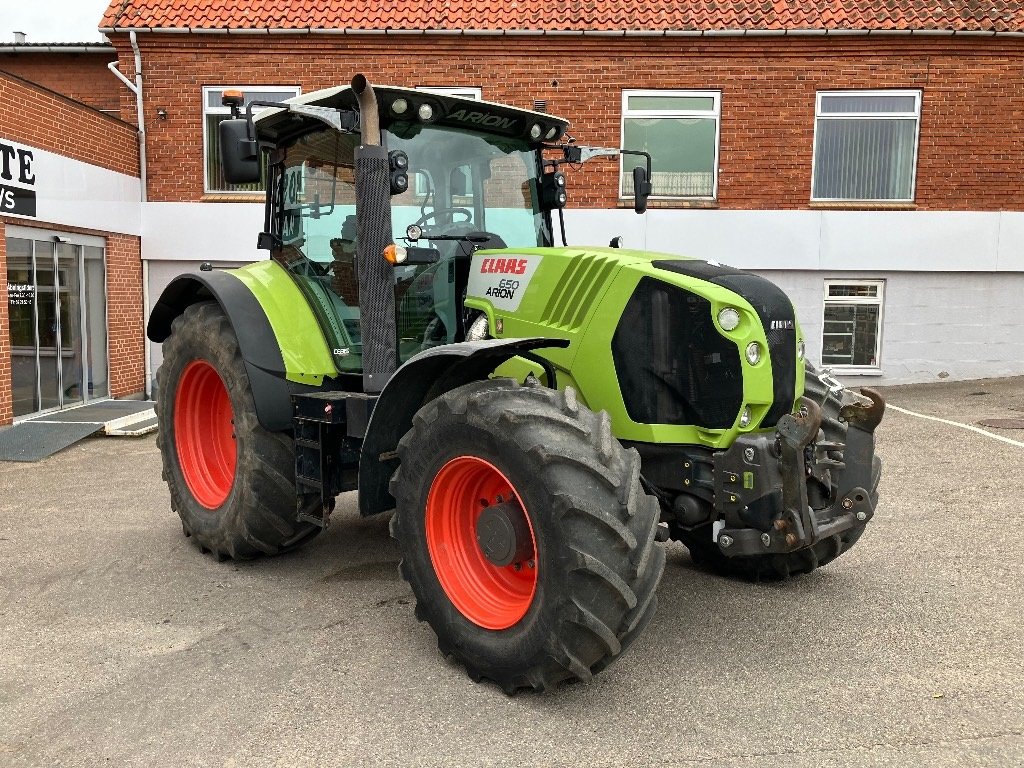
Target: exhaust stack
x: 373, y: 220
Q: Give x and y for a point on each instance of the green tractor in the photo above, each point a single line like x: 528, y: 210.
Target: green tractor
x: 537, y: 416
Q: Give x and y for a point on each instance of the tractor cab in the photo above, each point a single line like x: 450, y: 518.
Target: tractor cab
x: 463, y: 175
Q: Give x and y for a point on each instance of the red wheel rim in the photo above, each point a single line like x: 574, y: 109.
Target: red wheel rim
x: 490, y: 596
x: 204, y: 434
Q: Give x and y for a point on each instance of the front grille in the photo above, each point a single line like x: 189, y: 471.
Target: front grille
x: 672, y: 365
x: 778, y: 319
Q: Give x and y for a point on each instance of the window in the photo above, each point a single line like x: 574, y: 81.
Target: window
x: 865, y: 145
x: 680, y: 130
x: 214, y: 113
x: 852, y: 330
x: 459, y: 92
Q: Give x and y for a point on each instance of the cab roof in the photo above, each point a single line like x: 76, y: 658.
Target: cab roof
x: 451, y: 111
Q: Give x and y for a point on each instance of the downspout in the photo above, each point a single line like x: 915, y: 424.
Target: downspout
x: 140, y: 116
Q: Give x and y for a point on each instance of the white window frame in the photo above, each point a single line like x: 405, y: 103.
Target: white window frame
x: 716, y: 113
x: 879, y: 301
x: 916, y: 114
x: 463, y: 92
x: 293, y: 90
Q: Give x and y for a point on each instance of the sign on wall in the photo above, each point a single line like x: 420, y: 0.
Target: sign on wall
x: 17, y: 180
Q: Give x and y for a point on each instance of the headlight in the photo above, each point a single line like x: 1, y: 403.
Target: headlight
x: 729, y: 319
x: 801, y: 350
x: 535, y: 131
x: 753, y: 353
x: 745, y: 417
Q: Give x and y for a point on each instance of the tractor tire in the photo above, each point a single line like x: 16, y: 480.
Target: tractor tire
x: 777, y: 567
x: 580, y: 586
x: 232, y: 482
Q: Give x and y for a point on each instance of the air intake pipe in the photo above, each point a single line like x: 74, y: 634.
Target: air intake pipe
x: 373, y: 220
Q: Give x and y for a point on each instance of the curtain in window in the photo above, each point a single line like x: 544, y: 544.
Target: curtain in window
x: 864, y: 159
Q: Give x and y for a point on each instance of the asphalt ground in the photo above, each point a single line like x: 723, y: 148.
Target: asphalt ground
x: 120, y: 644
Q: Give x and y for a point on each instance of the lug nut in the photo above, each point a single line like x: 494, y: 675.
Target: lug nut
x: 725, y: 541
x: 862, y: 516
x: 531, y: 564
x: 748, y: 454
x: 780, y: 524
x: 791, y: 539
x: 847, y: 503
x: 766, y: 539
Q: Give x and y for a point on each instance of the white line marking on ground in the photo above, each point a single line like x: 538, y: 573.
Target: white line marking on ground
x: 970, y: 427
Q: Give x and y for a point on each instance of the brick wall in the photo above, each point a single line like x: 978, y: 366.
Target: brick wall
x: 971, y: 149
x: 30, y: 114
x: 38, y: 117
x: 83, y: 77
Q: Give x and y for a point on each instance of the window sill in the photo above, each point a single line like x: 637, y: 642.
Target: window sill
x: 651, y: 203
x: 838, y: 370
x: 233, y: 197
x: 862, y: 205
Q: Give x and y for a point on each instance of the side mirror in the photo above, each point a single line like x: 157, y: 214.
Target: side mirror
x: 239, y: 155
x: 641, y: 189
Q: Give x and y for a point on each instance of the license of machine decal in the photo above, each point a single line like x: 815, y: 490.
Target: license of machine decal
x: 502, y: 280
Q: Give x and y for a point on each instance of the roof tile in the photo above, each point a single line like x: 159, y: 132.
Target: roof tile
x: 574, y: 15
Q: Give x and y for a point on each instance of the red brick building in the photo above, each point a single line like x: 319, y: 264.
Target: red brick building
x: 71, y: 308
x: 865, y: 156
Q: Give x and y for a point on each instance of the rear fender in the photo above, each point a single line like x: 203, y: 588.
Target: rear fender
x: 263, y: 360
x: 423, y: 378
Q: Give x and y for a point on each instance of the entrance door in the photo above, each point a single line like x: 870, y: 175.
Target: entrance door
x: 58, y: 333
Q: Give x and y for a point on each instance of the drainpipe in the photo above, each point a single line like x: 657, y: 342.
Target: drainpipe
x: 140, y: 114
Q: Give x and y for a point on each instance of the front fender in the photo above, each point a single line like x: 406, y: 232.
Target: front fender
x: 424, y: 377
x: 264, y: 362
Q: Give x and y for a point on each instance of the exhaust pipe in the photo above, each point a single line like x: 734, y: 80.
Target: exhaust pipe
x: 373, y: 221
x: 369, y: 120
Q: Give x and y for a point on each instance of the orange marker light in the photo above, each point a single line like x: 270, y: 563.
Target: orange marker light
x: 395, y: 254
x: 232, y: 97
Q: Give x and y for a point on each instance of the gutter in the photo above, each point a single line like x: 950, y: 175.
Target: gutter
x: 136, y: 88
x: 58, y: 49
x: 584, y: 33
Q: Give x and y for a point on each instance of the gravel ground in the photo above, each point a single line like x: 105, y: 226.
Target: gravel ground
x: 121, y: 645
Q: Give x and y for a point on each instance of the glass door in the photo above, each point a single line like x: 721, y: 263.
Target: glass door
x: 21, y: 313
x: 58, y: 326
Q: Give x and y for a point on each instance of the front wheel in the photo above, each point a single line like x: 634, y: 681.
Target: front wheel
x: 525, y: 534
x: 231, y: 481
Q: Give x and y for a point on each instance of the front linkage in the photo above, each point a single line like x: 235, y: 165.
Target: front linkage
x: 757, y: 468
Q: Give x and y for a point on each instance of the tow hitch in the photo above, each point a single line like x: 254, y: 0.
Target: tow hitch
x: 764, y: 470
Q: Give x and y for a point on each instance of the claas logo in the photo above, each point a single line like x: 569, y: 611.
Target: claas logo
x: 503, y: 266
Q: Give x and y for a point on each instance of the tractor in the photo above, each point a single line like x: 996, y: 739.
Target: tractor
x: 539, y: 418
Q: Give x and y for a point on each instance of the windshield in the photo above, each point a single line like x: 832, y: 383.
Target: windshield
x: 462, y: 182
x: 466, y: 191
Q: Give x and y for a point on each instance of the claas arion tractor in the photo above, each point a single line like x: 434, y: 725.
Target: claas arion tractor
x: 537, y: 417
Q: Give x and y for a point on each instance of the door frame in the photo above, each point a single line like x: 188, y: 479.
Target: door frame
x: 79, y: 241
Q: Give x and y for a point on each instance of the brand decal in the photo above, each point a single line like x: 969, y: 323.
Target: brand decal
x: 782, y: 325
x: 503, y: 266
x: 484, y: 119
x: 502, y: 280
x: 19, y: 196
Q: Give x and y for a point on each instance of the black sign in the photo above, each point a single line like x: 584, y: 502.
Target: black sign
x: 18, y: 201
x: 16, y: 166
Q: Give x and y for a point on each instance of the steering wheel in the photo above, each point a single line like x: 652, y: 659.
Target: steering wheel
x: 439, y: 211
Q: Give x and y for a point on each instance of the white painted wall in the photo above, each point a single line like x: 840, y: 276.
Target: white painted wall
x: 954, y: 301
x: 71, y: 193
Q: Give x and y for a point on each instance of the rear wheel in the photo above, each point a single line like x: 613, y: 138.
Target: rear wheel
x: 706, y: 553
x: 525, y: 534
x: 231, y: 481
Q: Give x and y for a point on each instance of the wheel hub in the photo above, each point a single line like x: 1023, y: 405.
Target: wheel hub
x: 504, y: 534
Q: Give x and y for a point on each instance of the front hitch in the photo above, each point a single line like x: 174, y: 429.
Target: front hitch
x: 777, y: 467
